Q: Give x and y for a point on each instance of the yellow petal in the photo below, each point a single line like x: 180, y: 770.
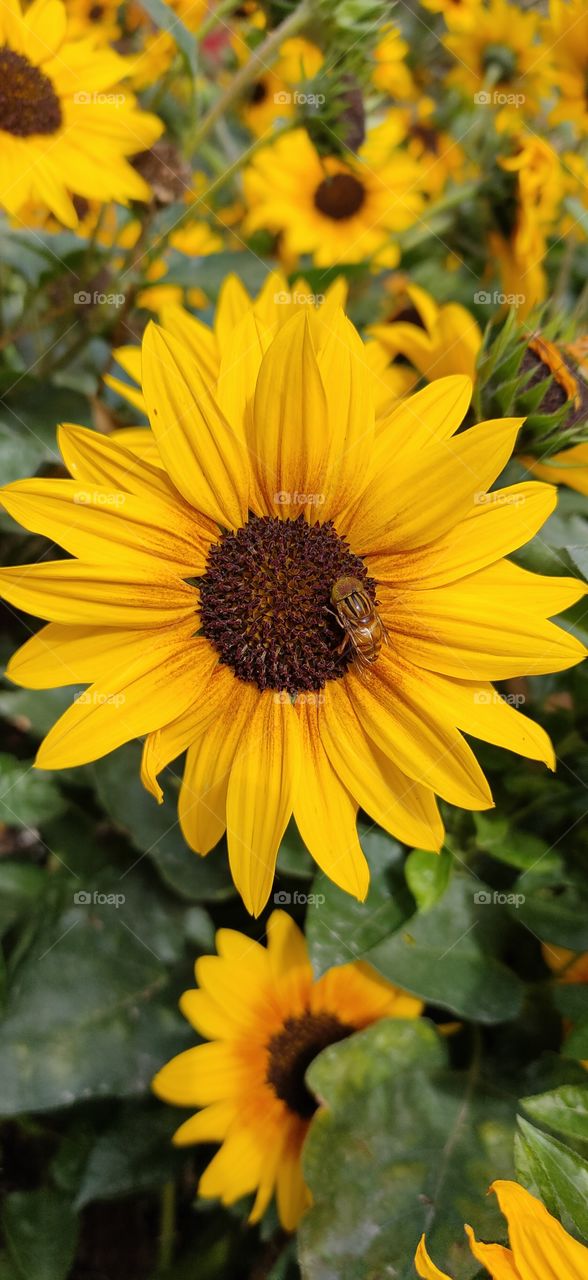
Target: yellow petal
x: 110, y: 463
x: 172, y: 739
x: 207, y: 1073
x: 110, y: 595
x: 235, y: 1170
x: 289, y: 440
x: 489, y: 626
x: 326, y: 814
x: 260, y: 797
x: 498, y: 1261
x: 209, y: 1125
x: 60, y: 655
x: 499, y: 523
x: 395, y: 709
x: 286, y: 944
x: 542, y: 1249
x: 205, y: 458
x: 411, y: 504
x: 203, y: 794
x: 196, y: 336
x: 108, y: 525
x: 425, y: 1266
x: 396, y: 802
x: 425, y: 419
x: 347, y: 380
x: 156, y: 684
x: 233, y: 302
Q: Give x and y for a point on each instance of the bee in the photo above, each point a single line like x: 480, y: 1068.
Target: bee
x: 358, y: 617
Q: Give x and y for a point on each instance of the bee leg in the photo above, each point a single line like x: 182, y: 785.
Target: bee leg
x: 340, y: 650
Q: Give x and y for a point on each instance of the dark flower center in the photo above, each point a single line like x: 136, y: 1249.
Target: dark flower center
x: 340, y: 196
x: 258, y: 93
x: 265, y: 602
x: 291, y: 1051
x: 28, y: 101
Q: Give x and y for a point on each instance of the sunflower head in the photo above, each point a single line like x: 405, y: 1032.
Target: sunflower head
x: 266, y: 1018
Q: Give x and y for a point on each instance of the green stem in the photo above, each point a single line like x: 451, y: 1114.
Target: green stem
x: 414, y: 236
x: 214, y: 18
x: 243, y: 158
x: 167, y: 1227
x: 249, y: 73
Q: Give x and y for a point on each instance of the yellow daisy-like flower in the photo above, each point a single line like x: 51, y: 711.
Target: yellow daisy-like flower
x: 391, y: 74
x: 272, y: 95
x: 66, y: 127
x: 95, y: 18
x: 308, y: 599
x: 566, y: 33
x: 540, y: 1248
x: 267, y: 1018
x: 337, y: 210
x: 456, y: 10
x: 439, y: 340
x: 499, y: 56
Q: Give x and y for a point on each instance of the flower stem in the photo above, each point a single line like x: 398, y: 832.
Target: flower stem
x: 249, y: 73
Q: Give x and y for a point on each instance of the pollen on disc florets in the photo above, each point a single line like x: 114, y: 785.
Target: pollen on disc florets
x: 265, y: 602
x: 28, y: 102
x: 291, y: 1051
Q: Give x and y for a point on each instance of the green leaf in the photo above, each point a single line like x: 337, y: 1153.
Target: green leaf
x: 28, y: 798
x: 88, y: 1014
x: 517, y: 848
x: 555, y: 912
x: 135, y: 1154
x: 444, y: 955
x: 338, y: 927
x: 34, y: 710
x: 41, y: 1233
x: 565, y: 1110
x: 576, y: 1045
x: 154, y: 829
x: 166, y: 19
x: 427, y: 875
x: 559, y: 1175
x: 397, y: 1148
x: 20, y: 887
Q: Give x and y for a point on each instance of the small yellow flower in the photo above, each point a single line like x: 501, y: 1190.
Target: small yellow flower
x: 267, y: 1018
x: 337, y: 210
x: 500, y: 60
x: 391, y: 74
x: 566, y: 34
x: 66, y: 125
x: 540, y: 1248
x: 441, y: 340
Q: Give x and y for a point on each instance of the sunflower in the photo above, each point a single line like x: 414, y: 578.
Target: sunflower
x: 65, y: 126
x: 566, y: 33
x: 391, y: 74
x: 95, y: 18
x: 201, y: 605
x: 437, y: 340
x: 456, y: 10
x: 271, y: 95
x: 267, y: 1019
x: 499, y: 55
x: 337, y: 210
x: 275, y: 303
x: 542, y: 358
x: 540, y: 1248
